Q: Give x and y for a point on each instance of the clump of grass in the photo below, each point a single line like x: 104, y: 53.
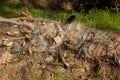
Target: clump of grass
x: 103, y: 19
x: 10, y: 10
x: 56, y: 15
x: 99, y: 19
x: 60, y: 76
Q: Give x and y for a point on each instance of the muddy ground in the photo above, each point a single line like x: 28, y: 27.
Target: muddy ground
x: 57, y: 52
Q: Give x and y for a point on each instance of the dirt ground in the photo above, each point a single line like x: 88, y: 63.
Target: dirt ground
x: 57, y: 52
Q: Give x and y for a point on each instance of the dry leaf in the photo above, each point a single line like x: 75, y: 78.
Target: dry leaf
x: 119, y: 62
x: 30, y: 51
x: 12, y: 33
x: 26, y: 33
x: 9, y: 33
x: 24, y: 14
x: 16, y: 33
x: 23, y: 44
x: 58, y: 39
x: 48, y: 59
x: 118, y: 39
x: 8, y: 43
x: 1, y: 39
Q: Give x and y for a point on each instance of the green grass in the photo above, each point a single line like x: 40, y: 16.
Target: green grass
x: 60, y: 76
x: 104, y: 20
x: 99, y: 19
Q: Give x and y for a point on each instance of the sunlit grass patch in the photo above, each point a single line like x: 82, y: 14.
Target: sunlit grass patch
x: 99, y: 19
x: 103, y: 19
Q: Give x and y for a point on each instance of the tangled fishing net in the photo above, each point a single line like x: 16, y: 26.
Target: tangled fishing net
x: 49, y: 34
x: 68, y: 41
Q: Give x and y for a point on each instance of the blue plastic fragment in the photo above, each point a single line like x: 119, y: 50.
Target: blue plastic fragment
x: 34, y: 31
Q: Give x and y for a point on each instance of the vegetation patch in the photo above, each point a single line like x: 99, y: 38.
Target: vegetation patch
x: 99, y: 19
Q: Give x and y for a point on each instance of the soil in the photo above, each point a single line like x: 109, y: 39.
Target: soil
x: 81, y: 54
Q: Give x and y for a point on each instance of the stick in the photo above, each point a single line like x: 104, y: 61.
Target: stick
x: 13, y: 21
